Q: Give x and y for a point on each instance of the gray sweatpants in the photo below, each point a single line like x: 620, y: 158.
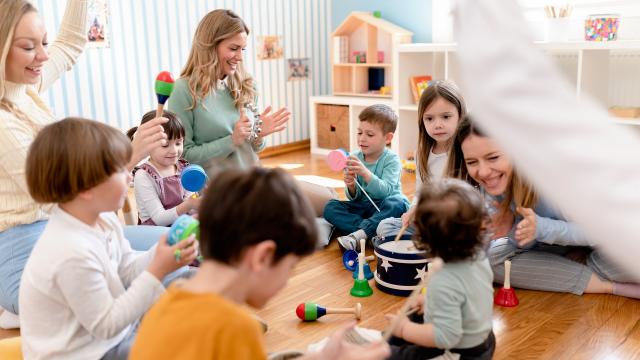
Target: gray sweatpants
x: 544, y: 267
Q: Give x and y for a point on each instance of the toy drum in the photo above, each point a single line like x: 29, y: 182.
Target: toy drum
x: 400, y: 266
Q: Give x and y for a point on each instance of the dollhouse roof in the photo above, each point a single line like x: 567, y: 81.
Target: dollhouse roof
x: 357, y: 18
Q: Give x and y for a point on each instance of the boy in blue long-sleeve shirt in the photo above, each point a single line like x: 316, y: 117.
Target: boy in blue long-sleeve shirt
x: 377, y: 170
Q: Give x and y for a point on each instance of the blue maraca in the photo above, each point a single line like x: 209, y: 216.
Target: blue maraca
x: 193, y: 178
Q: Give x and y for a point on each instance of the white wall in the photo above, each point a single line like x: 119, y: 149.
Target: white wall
x: 115, y: 85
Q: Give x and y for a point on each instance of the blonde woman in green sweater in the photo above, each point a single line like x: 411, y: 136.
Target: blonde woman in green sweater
x: 211, y: 97
x: 213, y: 91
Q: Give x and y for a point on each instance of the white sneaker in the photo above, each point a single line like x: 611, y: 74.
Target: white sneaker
x: 349, y: 242
x: 9, y: 320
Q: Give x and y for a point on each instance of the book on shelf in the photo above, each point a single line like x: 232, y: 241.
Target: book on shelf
x: 340, y: 49
x: 418, y: 84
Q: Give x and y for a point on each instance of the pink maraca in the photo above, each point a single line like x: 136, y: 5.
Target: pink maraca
x: 337, y: 159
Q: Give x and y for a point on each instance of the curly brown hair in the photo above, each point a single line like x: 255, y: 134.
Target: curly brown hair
x: 449, y: 220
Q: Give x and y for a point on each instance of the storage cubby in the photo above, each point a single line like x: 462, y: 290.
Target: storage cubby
x: 332, y: 127
x: 334, y: 120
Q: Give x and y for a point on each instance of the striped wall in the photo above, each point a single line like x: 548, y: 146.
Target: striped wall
x: 115, y: 85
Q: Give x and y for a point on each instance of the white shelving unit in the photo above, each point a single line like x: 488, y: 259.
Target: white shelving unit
x: 586, y: 64
x: 355, y: 103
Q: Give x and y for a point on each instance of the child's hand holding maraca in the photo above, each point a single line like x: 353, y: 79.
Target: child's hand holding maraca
x: 189, y: 204
x: 355, y: 166
x: 350, y: 182
x: 147, y: 137
x: 241, y: 130
x: 165, y: 260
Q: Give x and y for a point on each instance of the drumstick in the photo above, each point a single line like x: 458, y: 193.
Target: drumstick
x: 367, y: 195
x: 435, y: 265
x: 401, y: 232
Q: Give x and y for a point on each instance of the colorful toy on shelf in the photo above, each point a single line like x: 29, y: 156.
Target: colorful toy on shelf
x: 337, y: 160
x: 601, y: 27
x: 359, y: 57
x: 313, y: 311
x: 409, y: 166
x: 385, y: 90
x: 193, y: 178
x: 182, y: 228
x: 361, y: 286
x: 418, y: 85
x: 164, y: 88
x: 506, y: 296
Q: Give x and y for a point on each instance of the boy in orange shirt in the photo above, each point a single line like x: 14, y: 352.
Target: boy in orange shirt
x: 255, y: 225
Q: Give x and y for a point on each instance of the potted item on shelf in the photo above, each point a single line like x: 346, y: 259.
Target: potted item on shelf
x: 418, y: 84
x: 557, y: 25
x: 359, y: 57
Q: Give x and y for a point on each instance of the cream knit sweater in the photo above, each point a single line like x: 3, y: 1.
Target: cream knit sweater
x: 16, y: 205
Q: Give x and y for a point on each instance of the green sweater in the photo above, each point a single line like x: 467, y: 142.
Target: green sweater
x: 209, y: 126
x: 459, y: 303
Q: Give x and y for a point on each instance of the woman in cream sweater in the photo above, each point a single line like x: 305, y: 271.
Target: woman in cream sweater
x: 29, y: 66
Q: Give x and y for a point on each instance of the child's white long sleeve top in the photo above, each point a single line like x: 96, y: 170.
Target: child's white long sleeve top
x: 82, y: 288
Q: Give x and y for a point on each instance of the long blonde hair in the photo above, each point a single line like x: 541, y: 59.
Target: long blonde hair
x: 203, y: 66
x: 438, y: 89
x: 13, y: 11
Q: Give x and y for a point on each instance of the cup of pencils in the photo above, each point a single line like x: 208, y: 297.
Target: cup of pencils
x: 557, y: 29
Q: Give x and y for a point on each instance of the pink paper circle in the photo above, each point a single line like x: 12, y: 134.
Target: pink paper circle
x: 337, y: 160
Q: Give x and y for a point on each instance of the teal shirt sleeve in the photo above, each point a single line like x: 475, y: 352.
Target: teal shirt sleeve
x: 346, y: 191
x: 386, y: 182
x: 179, y: 102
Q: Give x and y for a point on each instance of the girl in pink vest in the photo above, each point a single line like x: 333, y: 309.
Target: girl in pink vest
x: 160, y: 198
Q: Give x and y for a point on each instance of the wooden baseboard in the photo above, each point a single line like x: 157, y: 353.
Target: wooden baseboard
x: 285, y: 148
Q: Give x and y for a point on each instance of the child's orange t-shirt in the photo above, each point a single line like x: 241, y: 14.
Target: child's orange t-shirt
x: 186, y: 325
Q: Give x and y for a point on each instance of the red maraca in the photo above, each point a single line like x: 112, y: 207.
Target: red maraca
x: 313, y: 311
x: 164, y: 88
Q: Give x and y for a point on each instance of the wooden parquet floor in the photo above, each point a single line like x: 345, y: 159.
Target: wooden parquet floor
x: 544, y: 326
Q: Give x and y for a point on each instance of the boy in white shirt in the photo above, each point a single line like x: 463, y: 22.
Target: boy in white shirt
x: 83, y: 286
